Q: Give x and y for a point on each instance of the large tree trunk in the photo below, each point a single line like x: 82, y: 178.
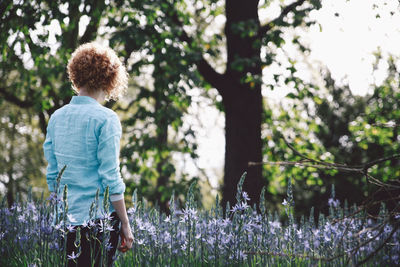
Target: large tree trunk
x: 10, y: 190
x: 243, y: 111
x: 242, y: 102
x: 11, y: 184
x: 162, y: 179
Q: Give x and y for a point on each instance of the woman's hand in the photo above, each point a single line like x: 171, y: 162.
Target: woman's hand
x: 126, y: 232
x: 126, y: 238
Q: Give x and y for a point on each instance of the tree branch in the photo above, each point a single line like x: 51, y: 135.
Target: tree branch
x: 376, y: 162
x: 397, y: 225
x: 15, y: 100
x: 317, y: 166
x: 309, y: 162
x: 209, y: 74
x: 264, y: 29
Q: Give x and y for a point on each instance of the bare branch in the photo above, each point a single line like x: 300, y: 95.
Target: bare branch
x: 381, y: 246
x: 265, y: 28
x: 376, y: 162
x: 309, y: 162
x: 304, y: 164
x: 310, y: 159
x: 386, y: 124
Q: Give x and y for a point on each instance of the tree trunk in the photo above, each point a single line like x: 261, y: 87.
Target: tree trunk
x: 162, y: 145
x: 10, y: 190
x: 243, y: 111
x: 242, y: 102
x: 11, y: 184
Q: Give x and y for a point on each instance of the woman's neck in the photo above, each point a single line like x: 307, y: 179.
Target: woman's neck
x: 99, y: 95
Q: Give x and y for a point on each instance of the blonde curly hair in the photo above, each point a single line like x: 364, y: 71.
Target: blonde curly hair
x: 97, y: 67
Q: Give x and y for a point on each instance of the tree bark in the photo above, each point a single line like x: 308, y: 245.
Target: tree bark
x: 162, y: 179
x: 11, y: 184
x: 242, y: 102
x: 243, y: 111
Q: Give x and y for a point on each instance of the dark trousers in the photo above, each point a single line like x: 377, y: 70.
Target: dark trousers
x: 90, y: 249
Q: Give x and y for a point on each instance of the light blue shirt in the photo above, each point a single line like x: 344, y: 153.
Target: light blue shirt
x: 85, y: 136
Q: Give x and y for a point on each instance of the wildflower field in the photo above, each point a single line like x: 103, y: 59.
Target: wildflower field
x: 235, y: 236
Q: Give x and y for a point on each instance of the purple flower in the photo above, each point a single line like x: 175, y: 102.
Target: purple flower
x: 91, y: 223
x: 85, y: 224
x: 54, y: 246
x: 183, y: 247
x: 46, y: 229
x: 299, y: 233
x: 189, y: 213
x: 226, y: 238
x: 327, y: 237
x: 131, y: 211
x: 211, y: 240
x: 225, y: 222
x: 108, y: 246
x: 387, y: 229
x: 31, y: 207
x: 240, y: 207
x: 52, y: 197
x: 105, y: 227
x: 73, y: 256
x: 333, y: 202
x: 21, y: 218
x: 285, y: 203
x: 306, y: 245
x: 70, y: 228
x: 105, y: 216
x: 245, y: 196
x: 275, y: 224
x: 7, y: 212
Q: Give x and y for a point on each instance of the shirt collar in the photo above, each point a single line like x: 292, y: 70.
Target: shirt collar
x: 82, y: 99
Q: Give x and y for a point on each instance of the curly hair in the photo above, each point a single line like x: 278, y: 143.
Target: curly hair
x: 97, y: 67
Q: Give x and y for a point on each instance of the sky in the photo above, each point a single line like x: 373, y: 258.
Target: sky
x: 348, y: 35
x: 347, y: 42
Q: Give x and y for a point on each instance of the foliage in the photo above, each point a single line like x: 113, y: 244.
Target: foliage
x: 183, y: 47
x: 327, y: 122
x: 19, y: 137
x: 192, y: 236
x: 157, y: 131
x: 37, y: 39
x: 170, y: 47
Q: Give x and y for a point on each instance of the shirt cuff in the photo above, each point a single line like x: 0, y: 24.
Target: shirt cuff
x: 116, y: 197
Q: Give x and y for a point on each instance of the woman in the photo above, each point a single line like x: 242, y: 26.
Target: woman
x: 85, y: 136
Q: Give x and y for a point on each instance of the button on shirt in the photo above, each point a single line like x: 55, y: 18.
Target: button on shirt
x: 85, y: 136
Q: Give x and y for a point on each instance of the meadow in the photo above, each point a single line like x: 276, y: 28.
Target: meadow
x: 31, y: 230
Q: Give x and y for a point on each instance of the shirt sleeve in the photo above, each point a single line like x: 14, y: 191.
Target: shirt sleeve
x: 108, y: 155
x: 116, y: 197
x: 48, y: 149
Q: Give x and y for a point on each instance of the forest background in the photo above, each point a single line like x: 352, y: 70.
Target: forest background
x: 188, y: 57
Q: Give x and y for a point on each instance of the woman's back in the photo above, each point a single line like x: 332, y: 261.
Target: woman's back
x: 85, y: 136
